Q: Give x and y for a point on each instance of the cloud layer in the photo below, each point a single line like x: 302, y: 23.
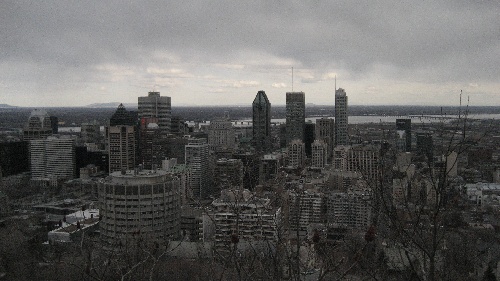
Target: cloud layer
x: 223, y: 52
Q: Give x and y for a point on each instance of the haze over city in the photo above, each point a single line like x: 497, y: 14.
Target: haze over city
x: 59, y: 53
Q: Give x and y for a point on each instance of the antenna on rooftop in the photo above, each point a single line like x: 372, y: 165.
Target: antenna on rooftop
x: 292, y: 78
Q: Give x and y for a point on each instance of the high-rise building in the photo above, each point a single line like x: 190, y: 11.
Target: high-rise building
x: 319, y: 153
x: 295, y: 116
x: 121, y: 140
x: 261, y: 120
x: 309, y: 136
x: 139, y: 204
x: 14, y: 157
x: 156, y: 106
x: 39, y: 126
x: 53, y: 158
x: 221, y: 137
x: 197, y: 158
x: 306, y: 207
x: 325, y: 131
x: 341, y: 122
x: 148, y: 132
x: 296, y: 154
x: 405, y: 125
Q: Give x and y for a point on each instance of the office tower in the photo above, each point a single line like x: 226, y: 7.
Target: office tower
x: 197, y: 158
x: 405, y: 125
x: 341, y: 130
x: 39, y: 126
x: 221, y: 137
x: 54, y: 124
x: 228, y: 174
x: 309, y: 136
x: 139, y: 204
x: 261, y: 120
x: 352, y: 209
x: 156, y: 106
x: 296, y: 154
x: 319, y: 154
x: 121, y: 137
x: 53, y: 158
x: 325, y: 131
x: 149, y: 131
x: 295, y: 116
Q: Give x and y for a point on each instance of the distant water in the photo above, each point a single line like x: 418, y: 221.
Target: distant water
x: 352, y: 120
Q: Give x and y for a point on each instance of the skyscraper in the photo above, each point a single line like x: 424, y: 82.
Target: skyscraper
x: 295, y: 116
x: 261, y: 120
x: 156, y: 106
x: 197, y: 158
x: 325, y: 131
x: 341, y: 132
x: 121, y: 137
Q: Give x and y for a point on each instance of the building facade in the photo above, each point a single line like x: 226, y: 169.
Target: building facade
x: 295, y: 116
x: 39, y: 126
x: 296, y: 154
x: 341, y: 118
x: 319, y: 154
x: 139, y: 204
x: 156, y: 106
x: 197, y: 157
x: 261, y: 120
x: 53, y: 158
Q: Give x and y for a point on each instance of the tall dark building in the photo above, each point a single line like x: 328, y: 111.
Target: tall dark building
x: 405, y: 125
x: 121, y: 137
x: 54, y: 124
x: 261, y: 120
x: 309, y: 137
x: 14, y: 157
x: 425, y: 145
x: 295, y: 116
x: 341, y: 122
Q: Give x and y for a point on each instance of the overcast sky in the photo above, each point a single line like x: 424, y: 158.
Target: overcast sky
x: 64, y: 53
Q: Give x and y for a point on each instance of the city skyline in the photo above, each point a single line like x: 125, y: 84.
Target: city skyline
x: 62, y: 54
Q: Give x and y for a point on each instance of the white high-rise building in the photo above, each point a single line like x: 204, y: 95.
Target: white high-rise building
x: 156, y: 106
x: 38, y: 126
x: 341, y: 122
x: 53, y: 158
x: 196, y: 156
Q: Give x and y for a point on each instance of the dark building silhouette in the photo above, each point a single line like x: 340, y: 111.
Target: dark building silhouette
x: 309, y: 136
x: 14, y: 157
x: 295, y: 116
x: 54, y: 125
x: 85, y: 158
x: 122, y: 117
x: 261, y: 119
x: 425, y: 146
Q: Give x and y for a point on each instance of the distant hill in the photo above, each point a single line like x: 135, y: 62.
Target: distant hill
x: 111, y: 105
x: 3, y: 105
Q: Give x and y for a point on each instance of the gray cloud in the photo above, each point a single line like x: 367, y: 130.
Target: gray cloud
x: 435, y: 41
